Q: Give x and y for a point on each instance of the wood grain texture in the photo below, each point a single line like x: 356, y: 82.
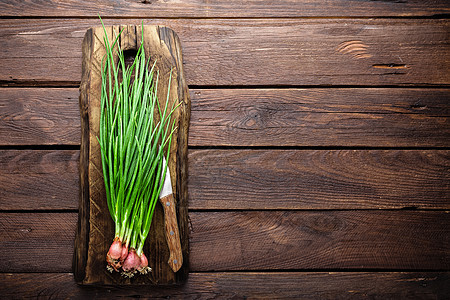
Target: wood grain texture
x: 342, y: 117
x: 319, y: 179
x: 254, y: 179
x: 243, y: 285
x: 251, y: 52
x: 80, y: 254
x: 172, y: 232
x: 207, y: 9
x: 33, y: 180
x: 424, y: 101
x: 297, y: 212
x: 37, y: 242
x: 96, y: 229
x: 38, y: 116
x: 276, y: 117
x: 276, y: 240
x: 258, y: 240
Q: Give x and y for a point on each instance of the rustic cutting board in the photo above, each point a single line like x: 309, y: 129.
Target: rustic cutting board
x: 95, y: 230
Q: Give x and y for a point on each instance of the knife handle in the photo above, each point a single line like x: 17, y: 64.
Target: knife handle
x: 172, y: 232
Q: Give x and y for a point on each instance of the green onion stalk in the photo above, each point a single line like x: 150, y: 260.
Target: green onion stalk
x: 132, y: 142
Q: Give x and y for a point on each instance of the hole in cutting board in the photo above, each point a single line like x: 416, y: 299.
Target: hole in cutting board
x: 129, y: 56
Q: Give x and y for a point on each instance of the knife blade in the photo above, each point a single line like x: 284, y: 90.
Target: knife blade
x: 167, y: 200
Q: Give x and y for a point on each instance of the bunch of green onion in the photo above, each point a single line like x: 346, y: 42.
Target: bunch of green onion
x: 134, y: 131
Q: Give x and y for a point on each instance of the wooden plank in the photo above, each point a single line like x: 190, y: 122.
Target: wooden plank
x: 44, y: 179
x: 251, y: 52
x: 39, y: 116
x: 254, y: 179
x: 277, y: 240
x: 274, y: 285
x: 258, y: 240
x: 424, y: 101
x: 269, y: 117
x: 95, y: 231
x: 37, y: 242
x: 319, y: 179
x: 204, y: 9
x: 336, y: 117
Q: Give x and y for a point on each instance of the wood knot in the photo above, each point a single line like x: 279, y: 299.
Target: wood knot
x: 255, y: 118
x: 326, y: 224
x: 357, y: 49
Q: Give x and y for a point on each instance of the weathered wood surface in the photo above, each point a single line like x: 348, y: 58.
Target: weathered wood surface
x: 319, y: 179
x: 39, y: 116
x: 95, y: 230
x: 36, y: 180
x: 250, y: 52
x: 41, y: 242
x: 264, y: 240
x: 424, y: 101
x: 254, y: 179
x: 269, y: 214
x: 322, y: 117
x: 222, y: 8
x: 275, y: 123
x: 243, y: 117
x: 258, y: 240
x: 243, y: 285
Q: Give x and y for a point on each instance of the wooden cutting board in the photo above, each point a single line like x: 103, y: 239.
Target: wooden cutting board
x: 95, y: 230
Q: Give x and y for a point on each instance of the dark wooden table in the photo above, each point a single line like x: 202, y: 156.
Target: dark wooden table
x: 318, y: 148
